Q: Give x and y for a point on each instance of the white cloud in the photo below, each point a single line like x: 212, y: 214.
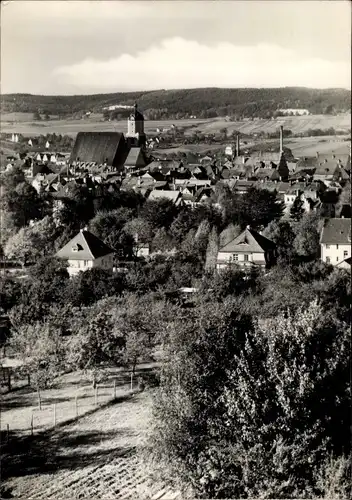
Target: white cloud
x: 178, y: 63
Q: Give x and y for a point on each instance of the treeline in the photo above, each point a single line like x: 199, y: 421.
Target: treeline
x: 203, y: 103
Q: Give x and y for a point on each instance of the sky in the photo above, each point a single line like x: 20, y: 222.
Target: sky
x: 86, y: 47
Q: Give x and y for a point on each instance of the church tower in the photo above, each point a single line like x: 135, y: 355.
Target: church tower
x: 135, y: 129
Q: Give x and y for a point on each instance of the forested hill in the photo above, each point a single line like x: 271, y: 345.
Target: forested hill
x: 204, y: 103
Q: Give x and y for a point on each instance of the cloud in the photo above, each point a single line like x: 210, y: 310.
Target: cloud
x: 178, y: 63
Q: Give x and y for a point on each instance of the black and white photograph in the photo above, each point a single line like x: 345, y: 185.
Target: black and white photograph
x: 175, y: 250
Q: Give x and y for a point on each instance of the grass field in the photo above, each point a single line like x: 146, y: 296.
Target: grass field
x: 98, y: 455
x: 23, y: 123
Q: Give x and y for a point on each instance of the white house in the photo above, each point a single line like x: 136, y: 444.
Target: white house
x: 335, y: 241
x: 248, y: 249
x: 86, y: 251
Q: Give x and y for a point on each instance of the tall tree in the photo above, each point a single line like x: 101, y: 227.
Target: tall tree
x: 297, y: 210
x: 212, y: 250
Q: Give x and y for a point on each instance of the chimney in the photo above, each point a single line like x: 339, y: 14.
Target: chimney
x: 238, y: 145
x: 281, y: 139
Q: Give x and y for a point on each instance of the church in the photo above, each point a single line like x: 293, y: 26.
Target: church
x: 112, y: 151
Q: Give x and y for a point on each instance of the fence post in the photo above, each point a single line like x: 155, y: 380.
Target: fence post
x: 131, y: 381
x: 96, y: 395
x: 54, y: 414
x: 76, y: 405
x: 114, y: 389
x: 32, y: 425
x: 7, y: 433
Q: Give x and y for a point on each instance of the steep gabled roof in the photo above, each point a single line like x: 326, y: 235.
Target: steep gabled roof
x: 248, y: 241
x: 84, y: 246
x: 336, y: 231
x: 135, y: 158
x: 99, y: 147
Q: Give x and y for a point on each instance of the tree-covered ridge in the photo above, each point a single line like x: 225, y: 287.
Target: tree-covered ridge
x: 204, y: 102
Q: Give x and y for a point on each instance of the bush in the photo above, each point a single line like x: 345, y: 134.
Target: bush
x: 254, y: 411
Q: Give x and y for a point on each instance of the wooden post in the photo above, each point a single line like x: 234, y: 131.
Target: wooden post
x: 131, y: 381
x: 39, y: 399
x: 114, y: 389
x: 76, y: 405
x: 96, y: 395
x: 28, y: 380
x: 9, y: 379
x: 32, y: 425
x: 7, y: 433
x: 54, y: 414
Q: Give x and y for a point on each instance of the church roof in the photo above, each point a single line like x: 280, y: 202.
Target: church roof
x: 99, y: 147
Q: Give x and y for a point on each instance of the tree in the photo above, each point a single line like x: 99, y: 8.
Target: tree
x: 307, y: 230
x: 162, y: 241
x: 212, y: 250
x: 12, y: 178
x: 24, y: 204
x: 41, y: 350
x: 109, y: 225
x: 253, y: 411
x: 228, y: 234
x: 23, y: 246
x: 36, y: 116
x: 258, y: 207
x: 282, y: 234
x: 10, y: 293
x: 297, y: 210
x: 160, y: 214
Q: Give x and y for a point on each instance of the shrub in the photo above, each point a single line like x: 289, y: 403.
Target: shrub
x: 257, y: 411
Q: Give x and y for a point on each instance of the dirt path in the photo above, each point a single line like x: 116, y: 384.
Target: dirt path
x: 95, y: 457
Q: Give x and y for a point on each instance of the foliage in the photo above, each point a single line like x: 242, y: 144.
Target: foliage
x: 162, y: 241
x: 10, y: 293
x: 297, y: 210
x: 42, y: 351
x: 23, y: 246
x: 93, y: 284
x: 307, y: 230
x: 212, y: 250
x: 228, y: 234
x: 203, y: 102
x: 108, y: 226
x: 249, y: 412
x: 160, y: 214
x: 282, y: 234
x: 24, y: 204
x: 258, y: 207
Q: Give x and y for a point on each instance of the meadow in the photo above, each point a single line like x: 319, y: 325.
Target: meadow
x: 97, y: 455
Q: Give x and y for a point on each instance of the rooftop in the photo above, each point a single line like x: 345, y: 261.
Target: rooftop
x: 336, y: 231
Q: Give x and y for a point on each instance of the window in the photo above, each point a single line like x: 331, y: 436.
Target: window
x: 327, y: 246
x: 345, y: 253
x: 86, y: 263
x: 337, y: 259
x: 235, y: 256
x: 337, y: 247
x: 327, y: 260
x: 246, y: 257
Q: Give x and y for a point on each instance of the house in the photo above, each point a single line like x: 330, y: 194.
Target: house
x: 345, y: 264
x: 108, y: 148
x: 335, y: 241
x: 248, y: 249
x: 86, y: 251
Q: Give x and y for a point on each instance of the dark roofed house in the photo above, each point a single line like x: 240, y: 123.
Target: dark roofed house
x: 108, y: 148
x: 86, y: 251
x: 248, y: 249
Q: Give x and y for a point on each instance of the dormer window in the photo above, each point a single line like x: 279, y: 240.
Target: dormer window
x: 76, y: 248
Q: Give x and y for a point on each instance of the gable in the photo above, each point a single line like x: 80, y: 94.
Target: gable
x: 248, y: 241
x: 84, y: 246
